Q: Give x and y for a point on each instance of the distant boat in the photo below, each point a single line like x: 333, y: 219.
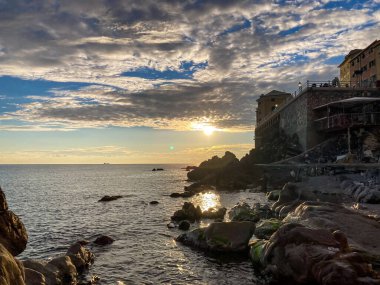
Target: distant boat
x: 106, y: 163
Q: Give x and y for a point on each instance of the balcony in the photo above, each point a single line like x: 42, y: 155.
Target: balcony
x: 347, y: 120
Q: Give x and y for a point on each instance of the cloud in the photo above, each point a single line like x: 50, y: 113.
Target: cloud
x: 250, y: 48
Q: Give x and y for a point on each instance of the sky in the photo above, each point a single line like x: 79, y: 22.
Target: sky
x: 148, y: 81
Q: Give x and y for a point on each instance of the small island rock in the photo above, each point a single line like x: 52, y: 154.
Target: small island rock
x: 104, y: 240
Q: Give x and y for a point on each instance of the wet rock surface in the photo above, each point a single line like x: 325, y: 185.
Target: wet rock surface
x: 13, y: 234
x: 220, y: 237
x: 103, y: 240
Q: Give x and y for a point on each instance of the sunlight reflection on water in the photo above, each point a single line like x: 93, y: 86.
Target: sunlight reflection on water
x: 207, y: 201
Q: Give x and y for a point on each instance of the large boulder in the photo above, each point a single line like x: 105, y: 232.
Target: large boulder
x: 13, y: 234
x: 362, y: 232
x: 11, y: 271
x: 311, y: 256
x: 220, y: 237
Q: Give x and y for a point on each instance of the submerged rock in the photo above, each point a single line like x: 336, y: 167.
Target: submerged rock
x: 220, y: 237
x: 153, y: 202
x: 103, y: 240
x: 110, y: 198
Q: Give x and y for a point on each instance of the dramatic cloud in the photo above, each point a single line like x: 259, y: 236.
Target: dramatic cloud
x: 167, y: 64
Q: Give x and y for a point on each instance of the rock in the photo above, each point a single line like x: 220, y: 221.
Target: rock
x: 220, y: 237
x: 13, y: 234
x: 214, y: 214
x: 175, y: 195
x: 291, y: 195
x: 50, y: 273
x: 195, y: 238
x: 153, y: 202
x: 104, y: 240
x: 66, y: 269
x: 81, y: 257
x: 184, y: 225
x: 11, y: 271
x: 171, y: 225
x: 110, y: 198
x: 33, y: 277
x: 310, y: 256
x: 188, y: 212
x: 361, y: 231
x: 243, y: 212
x: 273, y: 195
x: 265, y: 228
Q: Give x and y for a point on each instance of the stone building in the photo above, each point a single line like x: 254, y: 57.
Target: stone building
x: 345, y: 67
x: 269, y: 102
x: 364, y: 67
x: 319, y: 113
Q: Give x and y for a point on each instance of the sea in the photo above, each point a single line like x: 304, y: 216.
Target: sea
x: 59, y: 205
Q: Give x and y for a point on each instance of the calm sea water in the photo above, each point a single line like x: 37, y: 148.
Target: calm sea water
x: 58, y: 205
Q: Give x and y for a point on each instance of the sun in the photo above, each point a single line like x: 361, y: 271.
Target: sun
x: 208, y: 130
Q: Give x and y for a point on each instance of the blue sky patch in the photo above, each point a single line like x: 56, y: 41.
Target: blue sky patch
x: 238, y: 27
x: 291, y: 31
x: 335, y: 60
x: 186, y: 71
x: 14, y: 90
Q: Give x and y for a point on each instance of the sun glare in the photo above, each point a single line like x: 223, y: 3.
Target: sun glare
x: 208, y: 130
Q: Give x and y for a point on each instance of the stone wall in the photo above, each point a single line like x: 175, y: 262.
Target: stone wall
x: 293, y: 119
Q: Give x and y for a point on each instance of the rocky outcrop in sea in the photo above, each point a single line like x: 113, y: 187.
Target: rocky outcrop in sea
x: 61, y: 270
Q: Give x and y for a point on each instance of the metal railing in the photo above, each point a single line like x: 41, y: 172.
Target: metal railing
x: 345, y: 120
x: 331, y: 83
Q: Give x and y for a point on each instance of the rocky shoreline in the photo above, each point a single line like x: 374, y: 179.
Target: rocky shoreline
x: 67, y: 269
x: 321, y: 229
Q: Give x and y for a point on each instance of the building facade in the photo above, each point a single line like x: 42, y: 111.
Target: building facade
x: 269, y: 102
x: 301, y: 116
x: 365, y: 69
x: 345, y: 66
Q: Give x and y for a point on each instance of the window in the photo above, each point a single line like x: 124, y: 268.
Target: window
x: 353, y: 63
x: 371, y: 63
x: 363, y: 55
x: 273, y: 99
